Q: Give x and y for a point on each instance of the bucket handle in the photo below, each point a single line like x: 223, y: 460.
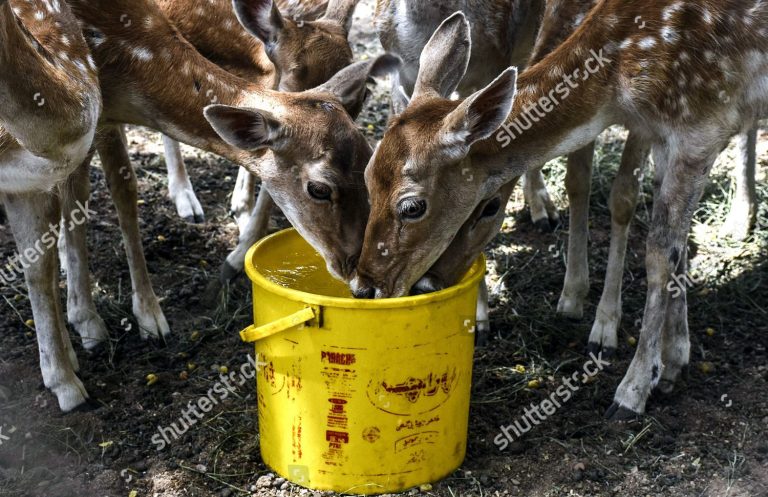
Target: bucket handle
x: 255, y: 333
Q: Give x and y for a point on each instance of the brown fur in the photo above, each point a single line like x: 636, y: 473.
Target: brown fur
x: 682, y: 75
x: 303, y: 10
x: 309, y: 51
x: 654, y: 87
x: 215, y: 32
x: 50, y: 108
x: 152, y: 76
x: 50, y: 60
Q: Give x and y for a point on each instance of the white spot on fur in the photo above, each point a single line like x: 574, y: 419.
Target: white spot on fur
x: 670, y: 11
x: 647, y: 43
x: 141, y: 53
x: 669, y: 35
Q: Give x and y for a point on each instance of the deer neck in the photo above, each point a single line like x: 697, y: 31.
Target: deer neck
x: 151, y: 76
x: 563, y: 103
x: 216, y: 33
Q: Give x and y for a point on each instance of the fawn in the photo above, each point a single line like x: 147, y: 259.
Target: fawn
x: 307, y: 51
x: 489, y: 52
x: 149, y: 75
x: 507, y: 38
x: 609, y: 71
x: 559, y: 21
x: 51, y: 106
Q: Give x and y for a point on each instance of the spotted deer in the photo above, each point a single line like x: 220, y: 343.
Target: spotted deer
x: 560, y: 20
x: 507, y: 36
x: 304, y: 146
x: 279, y: 53
x: 50, y: 108
x: 557, y: 23
x: 307, y: 44
x: 609, y: 71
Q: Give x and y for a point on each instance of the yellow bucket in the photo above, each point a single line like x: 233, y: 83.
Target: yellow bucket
x: 357, y: 396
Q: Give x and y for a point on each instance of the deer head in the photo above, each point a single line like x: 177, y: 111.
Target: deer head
x: 305, y: 53
x: 476, y: 233
x: 422, y: 183
x: 316, y: 170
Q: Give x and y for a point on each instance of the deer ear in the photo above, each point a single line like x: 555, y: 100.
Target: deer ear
x: 400, y: 98
x: 480, y: 115
x: 350, y: 84
x: 261, y: 18
x: 341, y: 11
x: 246, y: 129
x: 445, y: 58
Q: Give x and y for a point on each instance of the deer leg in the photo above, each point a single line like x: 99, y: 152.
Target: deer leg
x: 743, y: 215
x: 62, y: 247
x: 254, y: 230
x: 623, y: 201
x: 81, y: 310
x: 123, y: 187
x: 679, y: 185
x: 243, y: 199
x: 676, y: 343
x: 578, y: 184
x: 179, y: 187
x: 33, y: 218
x: 543, y: 211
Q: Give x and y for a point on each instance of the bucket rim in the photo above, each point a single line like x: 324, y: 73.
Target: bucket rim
x: 472, y: 278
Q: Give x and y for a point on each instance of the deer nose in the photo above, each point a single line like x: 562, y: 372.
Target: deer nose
x: 362, y: 288
x: 365, y: 293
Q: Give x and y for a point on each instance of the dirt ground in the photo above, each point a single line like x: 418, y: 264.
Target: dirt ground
x: 708, y: 439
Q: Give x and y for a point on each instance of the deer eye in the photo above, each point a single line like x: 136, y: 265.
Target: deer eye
x: 492, y: 208
x: 412, y: 209
x: 319, y: 191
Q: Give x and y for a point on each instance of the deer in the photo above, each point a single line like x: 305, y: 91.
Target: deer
x: 304, y: 146
x: 507, y: 38
x: 301, y: 55
x: 51, y: 105
x: 609, y: 71
x: 307, y: 55
x: 308, y: 43
x: 530, y: 36
x: 559, y: 22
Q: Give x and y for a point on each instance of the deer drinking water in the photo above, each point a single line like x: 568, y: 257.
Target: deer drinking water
x: 649, y: 80
x: 530, y: 36
x: 149, y: 75
x: 508, y: 33
x: 307, y: 44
